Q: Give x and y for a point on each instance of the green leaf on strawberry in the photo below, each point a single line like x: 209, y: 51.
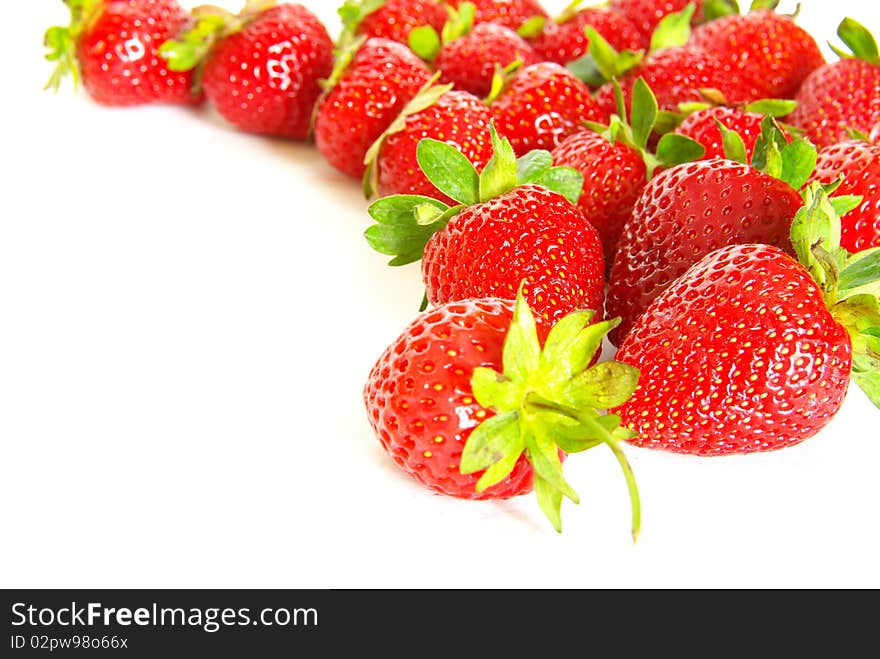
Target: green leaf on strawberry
x: 713, y: 9
x: 860, y: 41
x: 849, y: 282
x: 674, y: 29
x: 792, y: 162
x: 603, y: 63
x: 532, y: 28
x: 546, y: 401
x: 352, y: 13
x: 758, y: 5
x: 425, y: 42
x: 404, y: 223
x: 672, y: 149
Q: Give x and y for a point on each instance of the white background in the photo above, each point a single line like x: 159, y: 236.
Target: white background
x: 187, y: 317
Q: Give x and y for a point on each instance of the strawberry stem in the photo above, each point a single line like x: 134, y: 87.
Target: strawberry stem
x: 538, y: 403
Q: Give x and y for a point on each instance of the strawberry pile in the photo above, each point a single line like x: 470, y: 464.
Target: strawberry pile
x: 692, y: 184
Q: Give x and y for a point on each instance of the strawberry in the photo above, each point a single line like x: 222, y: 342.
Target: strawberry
x: 857, y: 165
x: 541, y: 106
x: 512, y: 14
x: 616, y: 164
x: 647, y: 14
x: 844, y: 96
x: 371, y: 84
x: 748, y: 352
x: 468, y: 403
x: 766, y: 42
x: 458, y: 118
x: 389, y: 19
x: 113, y: 46
x: 260, y: 69
x: 691, y: 210
x: 469, y: 55
x: 563, y: 41
x: 516, y: 222
x: 614, y: 176
x: 703, y: 125
x: 470, y: 62
x: 678, y: 74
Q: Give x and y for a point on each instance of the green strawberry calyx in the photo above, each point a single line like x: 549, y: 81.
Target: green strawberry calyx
x: 859, y: 40
x: 548, y: 401
x: 212, y: 24
x: 713, y: 9
x: 352, y: 13
x: 425, y: 42
x: 61, y: 40
x: 635, y: 131
x: 569, y: 12
x: 427, y: 96
x: 792, y: 162
x: 850, y: 283
x: 713, y: 98
x: 405, y: 223
x: 604, y: 63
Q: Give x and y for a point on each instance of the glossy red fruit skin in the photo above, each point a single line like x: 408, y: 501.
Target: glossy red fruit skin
x: 529, y: 233
x: 647, y: 14
x: 383, y: 77
x: 614, y: 177
x: 118, y: 54
x: 763, y: 41
x: 397, y: 18
x: 858, y: 163
x: 683, y: 214
x: 264, y: 79
x: 470, y: 62
x: 544, y: 104
x: 458, y: 118
x: 509, y: 13
x: 566, y: 42
x: 838, y: 97
x: 420, y: 402
x: 739, y: 355
x: 701, y: 127
x: 676, y: 75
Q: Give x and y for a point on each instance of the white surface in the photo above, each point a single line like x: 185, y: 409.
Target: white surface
x: 187, y: 318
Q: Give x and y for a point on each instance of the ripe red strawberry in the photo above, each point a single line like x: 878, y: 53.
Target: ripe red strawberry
x: 487, y: 249
x: 702, y: 126
x: 857, y: 163
x: 516, y: 223
x: 389, y: 19
x: 113, y: 46
x: 647, y: 14
x: 260, y: 69
x: 747, y: 352
x: 440, y: 406
x: 677, y: 74
x: 542, y: 105
x: 616, y: 164
x: 691, y: 210
x: 512, y: 14
x: 366, y: 92
x: 614, y: 176
x: 781, y: 52
x: 458, y: 118
x: 565, y: 41
x: 470, y: 62
x: 844, y: 96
